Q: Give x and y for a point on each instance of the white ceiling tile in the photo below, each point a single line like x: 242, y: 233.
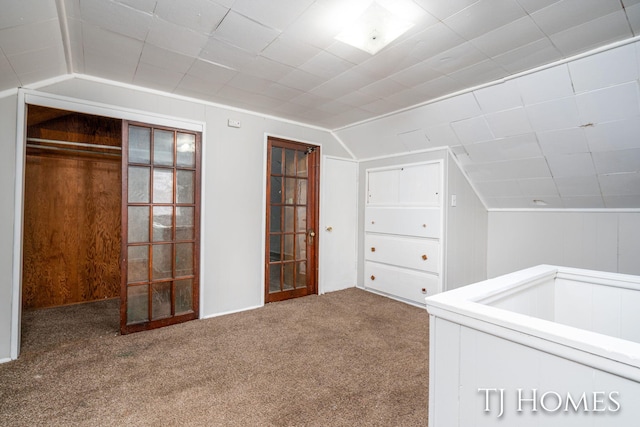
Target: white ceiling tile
x: 379, y: 107
x: 508, y: 188
x: 383, y: 88
x: 460, y: 153
x: 620, y: 184
x: 176, y: 38
x: 553, y: 115
x: 563, y: 141
x: 617, y: 161
x: 565, y: 14
x: 414, y: 140
x: 545, y: 85
x: 160, y: 77
x: 622, y: 202
x: 438, y: 87
x: 443, y: 10
x: 518, y: 147
x: 249, y: 83
x: 608, y: 68
x: 211, y: 72
x: 578, y: 164
x: 284, y: 93
x: 441, y: 135
x: 222, y: 53
x: 435, y: 39
x: 110, y: 66
x: 482, y: 17
x: 116, y: 17
x: 537, y: 187
x: 98, y: 41
x: 456, y: 58
x: 147, y: 6
x: 389, y: 61
x: 533, y: 5
x: 326, y: 65
x: 529, y: 56
x: 35, y: 36
x: 197, y: 87
x: 415, y: 75
x: 571, y: 186
x: 414, y: 96
x: 633, y: 14
x: 511, y: 36
x: 478, y: 74
x: 499, y: 97
x: 472, y: 130
x: 609, y: 28
x: 290, y: 51
x: 515, y: 169
x: 300, y: 80
x: 275, y: 17
x: 8, y: 78
x: 348, y: 52
x: 198, y: 15
x: 26, y: 12
x: 49, y: 58
x: 608, y: 104
x: 509, y: 122
x: 583, y: 202
x: 357, y: 98
x: 47, y: 71
x: 318, y: 24
x: 451, y: 109
x: 617, y: 135
x: 165, y: 58
x: 245, y: 33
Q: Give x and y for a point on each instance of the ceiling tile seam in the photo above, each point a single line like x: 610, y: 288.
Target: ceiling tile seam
x: 496, y: 82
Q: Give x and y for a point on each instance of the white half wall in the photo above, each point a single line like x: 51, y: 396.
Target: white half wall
x: 605, y: 241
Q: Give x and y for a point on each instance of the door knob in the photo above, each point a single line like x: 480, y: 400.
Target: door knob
x: 312, y: 233
x: 329, y: 228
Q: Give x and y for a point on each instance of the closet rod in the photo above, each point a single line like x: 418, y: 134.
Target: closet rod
x: 76, y: 144
x: 48, y: 147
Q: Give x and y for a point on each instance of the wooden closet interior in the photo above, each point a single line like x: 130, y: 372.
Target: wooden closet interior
x: 72, y: 208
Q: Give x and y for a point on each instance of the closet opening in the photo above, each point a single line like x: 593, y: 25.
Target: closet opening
x: 72, y: 211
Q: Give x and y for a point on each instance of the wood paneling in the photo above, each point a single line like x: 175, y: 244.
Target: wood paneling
x: 71, y: 238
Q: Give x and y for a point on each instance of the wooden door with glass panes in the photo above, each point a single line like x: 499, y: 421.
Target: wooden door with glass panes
x: 292, y: 212
x: 160, y: 227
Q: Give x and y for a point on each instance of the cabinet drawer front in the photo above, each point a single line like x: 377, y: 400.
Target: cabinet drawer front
x: 419, y: 222
x: 418, y: 254
x: 410, y: 285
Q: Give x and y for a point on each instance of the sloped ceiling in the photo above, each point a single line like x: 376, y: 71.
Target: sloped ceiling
x: 567, y: 135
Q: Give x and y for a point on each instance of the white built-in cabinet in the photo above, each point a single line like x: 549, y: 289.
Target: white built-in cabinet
x: 403, y: 230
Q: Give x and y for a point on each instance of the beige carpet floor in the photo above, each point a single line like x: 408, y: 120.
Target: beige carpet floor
x: 348, y: 358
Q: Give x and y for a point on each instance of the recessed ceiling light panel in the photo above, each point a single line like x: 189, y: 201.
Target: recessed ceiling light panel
x: 375, y: 28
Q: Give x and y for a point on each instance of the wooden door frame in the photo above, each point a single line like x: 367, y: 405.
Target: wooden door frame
x: 313, y: 203
x: 173, y: 319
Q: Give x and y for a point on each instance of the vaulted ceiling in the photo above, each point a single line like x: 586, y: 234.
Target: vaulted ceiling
x: 281, y: 58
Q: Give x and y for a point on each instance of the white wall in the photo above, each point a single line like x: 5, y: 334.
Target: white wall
x: 606, y: 241
x: 466, y: 232
x: 233, y: 186
x: 7, y: 189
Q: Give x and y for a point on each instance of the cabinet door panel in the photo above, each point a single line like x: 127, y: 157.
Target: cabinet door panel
x: 420, y: 185
x: 418, y: 254
x: 383, y: 187
x: 411, y: 285
x: 419, y: 222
